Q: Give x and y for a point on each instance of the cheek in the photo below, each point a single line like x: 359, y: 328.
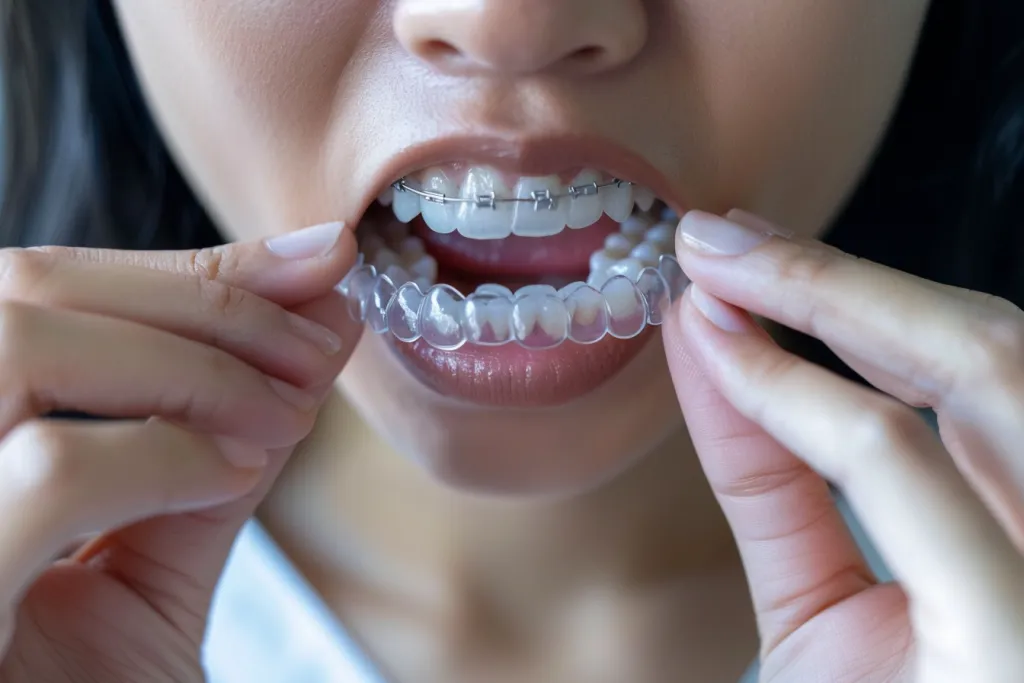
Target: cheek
x: 244, y: 92
x: 796, y: 94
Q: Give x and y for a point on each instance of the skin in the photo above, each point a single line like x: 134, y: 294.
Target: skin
x: 278, y: 114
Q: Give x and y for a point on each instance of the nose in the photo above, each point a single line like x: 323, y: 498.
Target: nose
x: 521, y: 37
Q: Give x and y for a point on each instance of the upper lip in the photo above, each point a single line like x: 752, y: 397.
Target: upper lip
x: 530, y: 156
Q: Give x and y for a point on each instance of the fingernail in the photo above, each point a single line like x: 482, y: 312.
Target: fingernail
x: 713, y: 234
x: 324, y: 339
x: 293, y: 395
x: 242, y: 455
x: 754, y: 222
x: 306, y: 243
x: 719, y: 313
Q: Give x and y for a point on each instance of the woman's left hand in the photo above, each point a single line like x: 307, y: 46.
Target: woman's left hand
x: 946, y: 510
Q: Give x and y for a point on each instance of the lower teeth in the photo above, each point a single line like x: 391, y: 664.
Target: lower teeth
x: 632, y: 281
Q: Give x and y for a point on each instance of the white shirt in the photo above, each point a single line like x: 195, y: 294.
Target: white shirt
x: 268, y: 625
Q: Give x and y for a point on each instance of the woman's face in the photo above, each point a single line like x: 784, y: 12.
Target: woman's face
x: 287, y: 114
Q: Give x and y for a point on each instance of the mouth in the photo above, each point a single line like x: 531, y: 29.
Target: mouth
x: 514, y: 290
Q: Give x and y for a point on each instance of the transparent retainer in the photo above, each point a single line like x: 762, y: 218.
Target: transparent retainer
x: 535, y: 316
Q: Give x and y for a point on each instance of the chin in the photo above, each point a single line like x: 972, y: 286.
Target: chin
x: 548, y: 450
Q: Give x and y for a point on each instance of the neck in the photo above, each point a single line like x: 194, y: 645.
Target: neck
x: 348, y: 504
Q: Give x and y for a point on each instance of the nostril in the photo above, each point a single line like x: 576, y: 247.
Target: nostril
x: 438, y: 49
x: 586, y: 56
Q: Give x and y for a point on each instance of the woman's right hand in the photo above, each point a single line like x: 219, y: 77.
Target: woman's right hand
x: 213, y: 364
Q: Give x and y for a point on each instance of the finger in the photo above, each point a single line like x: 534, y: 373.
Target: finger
x: 959, y: 352
x: 936, y: 339
x: 64, y: 360
x: 191, y: 549
x: 798, y: 555
x: 287, y: 270
x: 263, y: 334
x: 936, y: 535
x: 59, y: 480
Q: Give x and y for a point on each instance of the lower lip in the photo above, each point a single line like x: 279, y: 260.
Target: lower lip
x: 511, y: 376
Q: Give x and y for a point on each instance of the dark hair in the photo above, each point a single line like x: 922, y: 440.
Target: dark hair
x: 84, y: 164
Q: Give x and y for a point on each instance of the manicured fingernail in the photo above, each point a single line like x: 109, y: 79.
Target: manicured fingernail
x: 306, y: 243
x: 719, y: 313
x: 293, y: 395
x: 242, y: 455
x: 324, y: 339
x: 754, y: 222
x: 713, y: 234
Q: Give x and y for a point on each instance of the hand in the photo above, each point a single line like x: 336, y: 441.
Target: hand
x: 211, y: 382
x: 945, y: 510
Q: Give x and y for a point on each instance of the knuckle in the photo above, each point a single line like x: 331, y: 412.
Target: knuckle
x: 224, y: 301
x: 993, y: 349
x: 210, y: 264
x: 999, y: 338
x: 886, y: 429
x: 38, y: 462
x: 809, y: 270
x: 16, y: 326
x: 22, y: 271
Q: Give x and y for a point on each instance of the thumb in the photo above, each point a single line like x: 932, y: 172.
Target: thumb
x: 798, y: 555
x: 289, y: 269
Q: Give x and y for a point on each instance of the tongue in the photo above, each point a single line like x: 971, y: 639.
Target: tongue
x: 565, y: 254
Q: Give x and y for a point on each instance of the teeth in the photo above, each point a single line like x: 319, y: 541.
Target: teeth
x: 643, y: 197
x: 628, y: 267
x: 585, y: 210
x: 405, y: 206
x: 662, y: 234
x: 646, y: 253
x: 545, y: 208
x: 588, y: 314
x: 601, y: 260
x: 634, y: 228
x: 440, y: 318
x: 383, y: 292
x: 480, y: 222
x: 403, y: 313
x: 618, y: 245
x: 633, y: 279
x: 384, y: 259
x: 439, y: 217
x: 617, y: 201
x: 424, y: 267
x: 487, y: 318
x: 550, y: 215
x: 626, y: 311
x: 539, y: 317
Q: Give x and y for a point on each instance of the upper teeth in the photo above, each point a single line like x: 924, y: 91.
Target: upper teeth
x: 545, y: 205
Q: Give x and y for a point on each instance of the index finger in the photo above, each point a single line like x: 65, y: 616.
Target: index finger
x: 289, y: 269
x: 935, y: 338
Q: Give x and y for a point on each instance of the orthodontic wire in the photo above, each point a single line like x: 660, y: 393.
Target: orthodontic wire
x: 542, y: 199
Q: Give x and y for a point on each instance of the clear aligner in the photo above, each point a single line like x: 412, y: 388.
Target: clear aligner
x: 535, y: 316
x: 632, y: 281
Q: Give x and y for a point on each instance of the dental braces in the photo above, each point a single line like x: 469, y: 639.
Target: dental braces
x: 543, y: 200
x: 535, y: 317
